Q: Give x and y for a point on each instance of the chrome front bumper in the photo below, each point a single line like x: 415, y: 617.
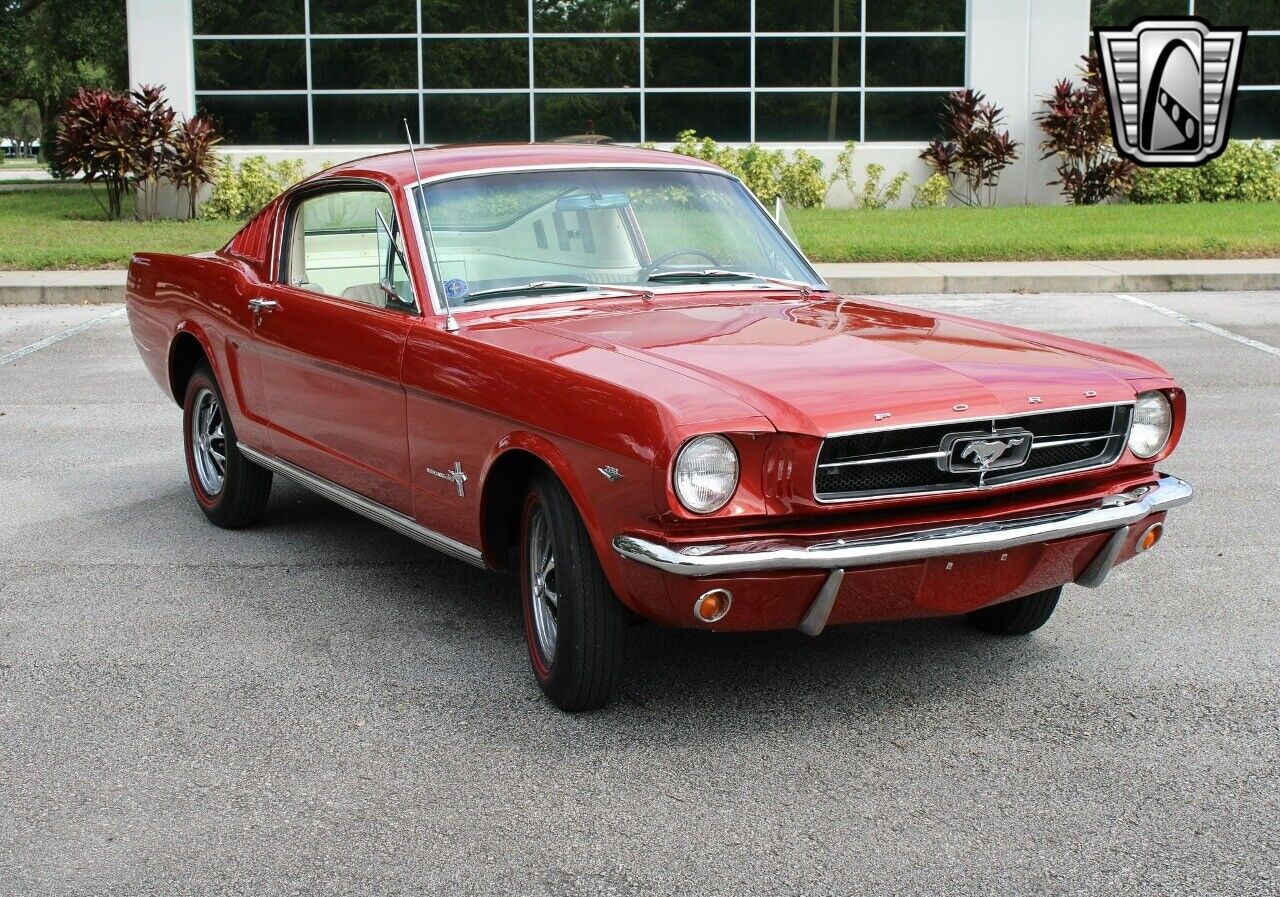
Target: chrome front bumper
x: 1113, y: 513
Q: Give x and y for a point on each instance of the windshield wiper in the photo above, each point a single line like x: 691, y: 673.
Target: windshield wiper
x: 717, y: 274
x: 555, y: 286
x: 536, y: 286
x: 702, y: 274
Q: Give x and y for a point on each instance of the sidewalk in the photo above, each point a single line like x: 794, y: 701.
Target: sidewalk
x: 80, y: 287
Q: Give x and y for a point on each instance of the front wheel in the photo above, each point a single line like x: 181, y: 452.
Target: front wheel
x: 574, y: 626
x: 231, y: 489
x: 1019, y: 616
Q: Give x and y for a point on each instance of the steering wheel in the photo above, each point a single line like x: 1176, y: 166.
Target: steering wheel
x: 654, y: 264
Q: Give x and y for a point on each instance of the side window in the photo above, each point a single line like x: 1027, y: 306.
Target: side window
x: 347, y: 244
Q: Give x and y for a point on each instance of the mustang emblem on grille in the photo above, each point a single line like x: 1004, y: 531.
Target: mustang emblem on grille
x: 989, y: 451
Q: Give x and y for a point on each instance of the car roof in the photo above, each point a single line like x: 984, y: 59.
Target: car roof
x: 398, y: 167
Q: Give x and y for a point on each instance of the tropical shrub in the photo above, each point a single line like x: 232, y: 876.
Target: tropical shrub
x: 1077, y: 127
x: 973, y: 149
x: 239, y: 192
x: 95, y: 141
x: 127, y: 141
x: 932, y: 194
x: 1248, y: 171
x: 191, y: 164
x: 767, y: 173
x: 152, y: 147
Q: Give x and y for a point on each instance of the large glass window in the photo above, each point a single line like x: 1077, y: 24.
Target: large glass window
x: 698, y: 62
x: 698, y: 15
x: 474, y: 16
x: 561, y: 115
x: 808, y: 61
x: 819, y: 116
x: 483, y: 117
x: 790, y: 15
x: 251, y: 64
x: 365, y: 17
x: 468, y: 63
x: 374, y: 64
x: 593, y: 62
x: 586, y: 16
x: 248, y: 16
x: 258, y: 119
x: 726, y: 115
x: 364, y: 118
x: 628, y: 70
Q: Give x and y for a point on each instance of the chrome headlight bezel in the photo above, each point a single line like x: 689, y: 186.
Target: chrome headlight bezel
x: 706, y: 497
x: 1152, y: 424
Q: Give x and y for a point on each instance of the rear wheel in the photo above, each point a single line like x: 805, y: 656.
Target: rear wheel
x: 231, y: 490
x: 574, y: 626
x: 1019, y: 616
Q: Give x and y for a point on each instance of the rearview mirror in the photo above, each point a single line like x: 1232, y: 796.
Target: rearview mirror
x: 584, y: 202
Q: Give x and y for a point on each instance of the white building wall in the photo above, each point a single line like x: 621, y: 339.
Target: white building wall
x: 1017, y: 51
x: 160, y: 50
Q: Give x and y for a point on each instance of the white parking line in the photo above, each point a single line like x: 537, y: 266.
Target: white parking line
x: 58, y: 337
x: 1203, y: 325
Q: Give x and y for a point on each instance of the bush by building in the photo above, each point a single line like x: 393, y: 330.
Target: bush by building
x: 1245, y: 172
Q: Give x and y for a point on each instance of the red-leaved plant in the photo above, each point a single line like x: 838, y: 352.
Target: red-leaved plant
x: 152, y: 146
x: 192, y: 161
x: 95, y: 140
x: 974, y: 147
x: 1077, y: 127
x: 131, y: 140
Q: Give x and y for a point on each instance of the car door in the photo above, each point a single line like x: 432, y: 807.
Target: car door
x: 331, y: 341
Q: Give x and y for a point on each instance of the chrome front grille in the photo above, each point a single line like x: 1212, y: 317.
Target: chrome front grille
x: 914, y: 460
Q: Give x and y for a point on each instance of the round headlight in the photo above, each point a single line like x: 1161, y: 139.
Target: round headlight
x: 706, y: 474
x: 1152, y: 424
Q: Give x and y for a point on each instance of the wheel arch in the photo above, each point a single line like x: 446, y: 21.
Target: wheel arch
x: 518, y: 458
x: 186, y: 350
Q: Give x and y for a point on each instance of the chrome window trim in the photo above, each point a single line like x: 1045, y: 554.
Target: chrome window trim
x: 820, y: 285
x: 309, y: 189
x: 959, y: 489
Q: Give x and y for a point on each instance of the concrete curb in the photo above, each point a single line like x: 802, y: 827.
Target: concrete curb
x: 1054, y: 277
x: 92, y: 287
x: 61, y: 287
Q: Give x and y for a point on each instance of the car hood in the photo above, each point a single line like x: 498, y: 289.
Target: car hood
x: 825, y: 365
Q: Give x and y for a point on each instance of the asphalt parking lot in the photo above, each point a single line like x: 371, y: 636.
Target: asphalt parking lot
x: 320, y: 706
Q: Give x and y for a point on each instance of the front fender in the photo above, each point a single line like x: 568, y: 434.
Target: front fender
x: 607, y: 506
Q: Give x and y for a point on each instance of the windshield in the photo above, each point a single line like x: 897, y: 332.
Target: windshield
x: 508, y: 237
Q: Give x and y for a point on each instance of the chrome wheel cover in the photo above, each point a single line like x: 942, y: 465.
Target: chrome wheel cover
x: 208, y: 442
x: 544, y: 595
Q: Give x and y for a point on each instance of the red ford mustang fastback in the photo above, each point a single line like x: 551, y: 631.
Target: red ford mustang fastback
x: 612, y: 368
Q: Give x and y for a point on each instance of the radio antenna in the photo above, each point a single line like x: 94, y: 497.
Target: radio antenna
x: 450, y: 323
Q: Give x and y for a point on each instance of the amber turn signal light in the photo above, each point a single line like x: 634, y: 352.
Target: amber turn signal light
x: 712, y: 606
x: 1148, y: 539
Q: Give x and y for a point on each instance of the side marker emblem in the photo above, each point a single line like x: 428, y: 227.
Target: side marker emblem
x: 456, y: 476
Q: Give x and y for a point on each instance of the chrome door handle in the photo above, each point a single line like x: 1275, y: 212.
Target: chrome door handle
x: 260, y: 305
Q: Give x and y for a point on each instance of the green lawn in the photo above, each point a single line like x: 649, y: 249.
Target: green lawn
x: 1025, y: 233
x: 63, y: 227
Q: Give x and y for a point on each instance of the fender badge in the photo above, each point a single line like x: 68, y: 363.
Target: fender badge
x: 883, y: 415
x: 612, y: 474
x: 1034, y: 400
x: 456, y: 476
